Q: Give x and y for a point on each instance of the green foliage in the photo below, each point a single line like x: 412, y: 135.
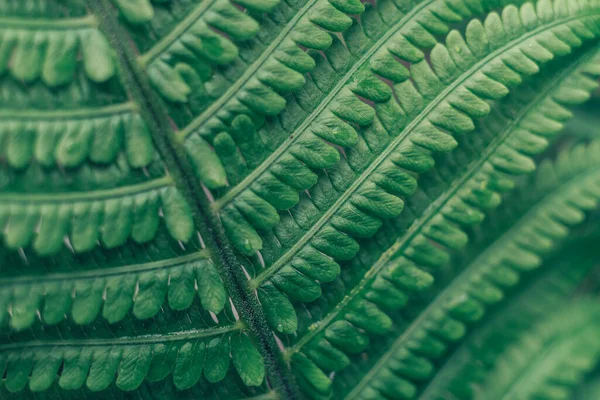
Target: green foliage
x: 298, y: 199
x: 543, y: 293
x: 405, y: 267
x: 548, y: 359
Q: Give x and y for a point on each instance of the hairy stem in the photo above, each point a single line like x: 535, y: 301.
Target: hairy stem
x: 207, y: 222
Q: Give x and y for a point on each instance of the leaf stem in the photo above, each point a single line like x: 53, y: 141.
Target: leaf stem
x: 207, y: 222
x: 168, y: 40
x: 25, y: 198
x: 106, y: 272
x: 77, y: 113
x: 130, y: 340
x: 89, y: 21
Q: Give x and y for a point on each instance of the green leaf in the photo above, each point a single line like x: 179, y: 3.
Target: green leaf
x: 247, y: 360
x: 279, y: 312
x: 210, y: 287
x: 189, y: 364
x: 217, y: 359
x: 445, y: 317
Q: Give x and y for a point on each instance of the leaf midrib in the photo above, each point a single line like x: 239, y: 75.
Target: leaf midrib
x: 175, y: 34
x: 207, y: 223
x: 180, y: 261
x: 462, y: 278
x: 129, y: 340
x: 72, y: 114
x: 265, y: 274
x: 95, y: 195
x: 437, y: 206
x: 61, y: 24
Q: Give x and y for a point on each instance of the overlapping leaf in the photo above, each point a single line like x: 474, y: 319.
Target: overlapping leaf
x: 179, y: 63
x: 216, y: 77
x: 310, y: 125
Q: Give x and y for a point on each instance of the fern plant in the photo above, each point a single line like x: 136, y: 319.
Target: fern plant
x: 281, y: 199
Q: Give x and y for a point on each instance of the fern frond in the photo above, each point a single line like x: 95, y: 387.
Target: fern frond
x: 550, y: 360
x: 72, y: 121
x: 237, y: 198
x: 71, y: 137
x: 94, y: 361
x: 80, y: 93
x: 328, y: 109
x: 179, y: 63
x: 397, y: 143
x: 49, y: 49
x: 110, y: 216
x: 544, y: 292
x: 556, y: 199
x: 515, y: 133
x: 195, y: 43
x: 112, y: 292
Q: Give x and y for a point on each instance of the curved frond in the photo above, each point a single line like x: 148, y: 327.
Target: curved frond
x: 294, y: 199
x: 543, y: 293
x: 514, y: 134
x: 507, y: 141
x: 398, y: 143
x: 179, y: 66
x: 329, y: 109
x: 549, y: 360
x: 553, y: 201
